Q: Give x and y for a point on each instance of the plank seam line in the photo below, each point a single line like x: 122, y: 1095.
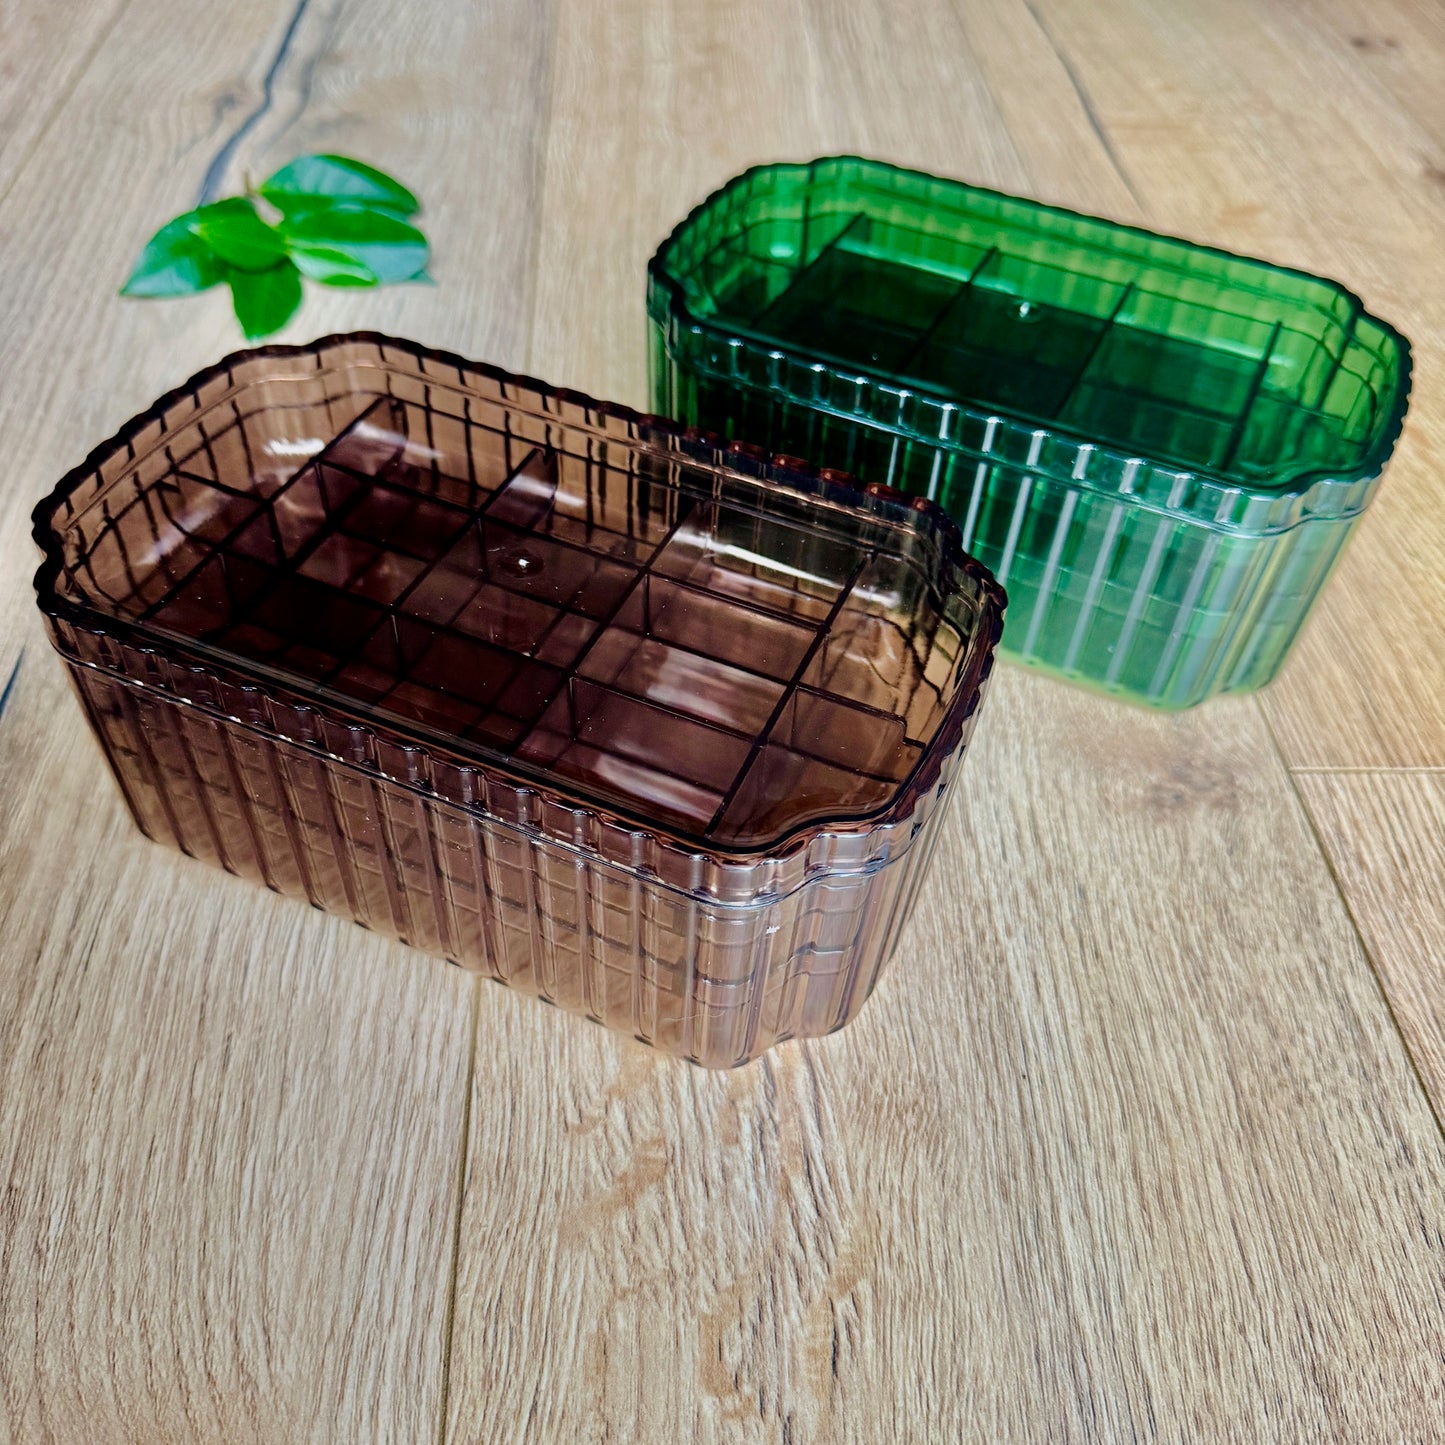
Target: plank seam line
x: 539, y: 182
x: 10, y: 685
x: 449, y: 1320
x: 1366, y: 771
x: 228, y: 148
x: 1339, y: 886
x: 1086, y: 103
x: 68, y: 90
x: 991, y: 93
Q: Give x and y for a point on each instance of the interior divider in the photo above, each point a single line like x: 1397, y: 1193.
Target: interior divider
x: 644, y: 571
x: 1236, y: 434
x: 1095, y: 347
x: 267, y: 505
x: 393, y: 608
x: 760, y: 317
x: 961, y: 296
x: 765, y: 733
x: 1337, y: 360
x: 540, y: 464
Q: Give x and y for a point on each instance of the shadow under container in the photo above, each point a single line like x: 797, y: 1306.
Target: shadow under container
x: 657, y: 731
x: 1159, y: 448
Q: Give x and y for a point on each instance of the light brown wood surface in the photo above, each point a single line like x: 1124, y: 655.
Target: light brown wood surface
x: 1384, y: 834
x: 1136, y: 1141
x: 44, y: 52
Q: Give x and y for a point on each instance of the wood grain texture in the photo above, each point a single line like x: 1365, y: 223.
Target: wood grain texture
x: 1265, y: 129
x: 230, y: 1127
x: 1127, y: 1147
x: 1384, y: 834
x: 44, y: 50
x: 1397, y: 44
x: 457, y: 109
x: 228, y: 1136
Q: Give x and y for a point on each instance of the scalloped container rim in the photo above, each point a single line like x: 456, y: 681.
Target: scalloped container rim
x: 654, y: 728
x: 1160, y: 448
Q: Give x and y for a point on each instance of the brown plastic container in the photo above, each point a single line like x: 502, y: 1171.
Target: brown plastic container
x: 654, y: 730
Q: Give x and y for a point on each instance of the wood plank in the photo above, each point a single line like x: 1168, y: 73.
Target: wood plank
x: 229, y: 1126
x: 47, y: 49
x: 1263, y: 130
x: 1374, y: 663
x: 1384, y: 834
x: 1127, y: 1146
x: 1398, y: 43
x: 228, y: 1135
x: 1126, y: 1140
x: 636, y: 157
x: 457, y: 112
x: 1065, y: 157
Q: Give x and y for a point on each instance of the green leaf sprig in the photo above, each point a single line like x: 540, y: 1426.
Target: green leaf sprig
x: 339, y: 222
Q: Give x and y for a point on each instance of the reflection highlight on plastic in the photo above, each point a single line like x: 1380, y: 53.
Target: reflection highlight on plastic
x: 1159, y: 447
x: 656, y: 731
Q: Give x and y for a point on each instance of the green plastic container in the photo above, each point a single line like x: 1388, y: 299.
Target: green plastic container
x: 1159, y: 448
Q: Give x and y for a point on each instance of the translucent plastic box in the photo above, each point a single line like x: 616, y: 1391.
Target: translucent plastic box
x: 655, y: 730
x: 1159, y: 448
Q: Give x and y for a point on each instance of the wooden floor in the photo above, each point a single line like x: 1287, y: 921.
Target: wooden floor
x: 1141, y: 1138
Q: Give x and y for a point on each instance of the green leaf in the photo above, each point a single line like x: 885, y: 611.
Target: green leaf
x: 312, y: 182
x: 175, y: 262
x: 265, y: 300
x: 390, y: 248
x: 238, y: 235
x: 332, y: 268
x: 342, y: 223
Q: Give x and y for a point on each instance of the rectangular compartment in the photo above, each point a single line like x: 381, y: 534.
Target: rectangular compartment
x: 656, y: 730
x: 1158, y: 447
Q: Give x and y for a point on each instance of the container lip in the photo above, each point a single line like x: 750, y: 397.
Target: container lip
x: 706, y: 448
x: 1290, y: 487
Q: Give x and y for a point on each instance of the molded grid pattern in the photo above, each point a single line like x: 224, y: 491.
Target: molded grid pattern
x: 1129, y: 430
x: 1143, y: 345
x: 341, y: 680
x: 712, y: 982
x: 701, y: 663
